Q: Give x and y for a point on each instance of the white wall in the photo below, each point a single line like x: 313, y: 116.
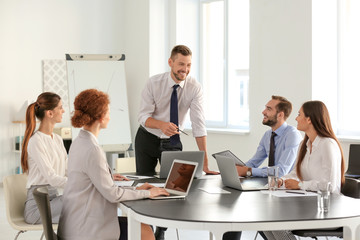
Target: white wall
x: 47, y: 29
x: 280, y: 64
x: 35, y: 30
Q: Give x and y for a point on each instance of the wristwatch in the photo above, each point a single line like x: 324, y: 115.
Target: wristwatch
x: 248, y: 173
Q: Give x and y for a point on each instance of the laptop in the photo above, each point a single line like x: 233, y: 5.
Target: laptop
x: 228, y: 153
x: 179, y: 180
x: 230, y: 177
x: 167, y: 157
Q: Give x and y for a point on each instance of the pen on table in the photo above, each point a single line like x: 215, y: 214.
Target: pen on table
x: 132, y: 177
x: 183, y: 132
x: 302, y: 193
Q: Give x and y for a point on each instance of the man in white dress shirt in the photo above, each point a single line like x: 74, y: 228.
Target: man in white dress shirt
x: 159, y: 129
x: 156, y: 128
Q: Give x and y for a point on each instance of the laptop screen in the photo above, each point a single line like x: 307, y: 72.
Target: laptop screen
x: 180, y: 176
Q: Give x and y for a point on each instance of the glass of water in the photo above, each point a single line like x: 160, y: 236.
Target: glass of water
x: 323, y: 197
x: 273, y: 177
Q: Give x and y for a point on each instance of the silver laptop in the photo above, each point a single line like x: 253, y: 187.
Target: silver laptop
x: 167, y: 157
x: 228, y: 153
x: 180, y: 178
x: 230, y: 177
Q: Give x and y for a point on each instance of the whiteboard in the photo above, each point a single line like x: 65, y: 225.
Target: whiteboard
x: 105, y: 73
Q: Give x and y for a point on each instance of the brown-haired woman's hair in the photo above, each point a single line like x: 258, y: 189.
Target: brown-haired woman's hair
x: 90, y: 105
x: 45, y: 101
x: 320, y: 119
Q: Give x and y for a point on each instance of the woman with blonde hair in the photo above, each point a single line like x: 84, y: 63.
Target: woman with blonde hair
x: 43, y: 155
x: 320, y: 157
x: 91, y: 197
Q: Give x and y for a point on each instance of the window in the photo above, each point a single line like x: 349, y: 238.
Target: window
x: 348, y: 80
x: 224, y: 58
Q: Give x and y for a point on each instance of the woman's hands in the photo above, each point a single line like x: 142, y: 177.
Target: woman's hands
x: 292, y: 184
x: 154, y: 191
x: 119, y: 177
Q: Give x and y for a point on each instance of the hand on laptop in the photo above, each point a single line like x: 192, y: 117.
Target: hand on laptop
x: 145, y: 186
x: 156, y: 191
x: 210, y: 172
x: 118, y: 177
x: 242, y: 170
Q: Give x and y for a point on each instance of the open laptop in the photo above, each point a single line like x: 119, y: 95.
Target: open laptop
x: 180, y: 178
x: 167, y: 157
x: 228, y: 153
x: 230, y: 177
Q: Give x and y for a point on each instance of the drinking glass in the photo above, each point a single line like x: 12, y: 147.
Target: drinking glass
x: 323, y: 197
x: 273, y: 176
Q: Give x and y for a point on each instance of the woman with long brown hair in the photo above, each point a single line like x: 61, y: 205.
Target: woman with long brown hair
x: 90, y: 196
x: 320, y: 156
x: 43, y: 155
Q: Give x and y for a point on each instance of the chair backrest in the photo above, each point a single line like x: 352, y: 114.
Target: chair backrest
x: 41, y: 197
x: 351, y: 188
x: 354, y: 160
x: 15, y: 197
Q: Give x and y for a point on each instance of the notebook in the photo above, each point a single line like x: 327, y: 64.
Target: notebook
x: 179, y: 180
x: 230, y: 177
x: 167, y: 157
x: 228, y: 153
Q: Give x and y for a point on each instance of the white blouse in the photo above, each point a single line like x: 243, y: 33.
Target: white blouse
x: 47, y: 159
x: 322, y: 164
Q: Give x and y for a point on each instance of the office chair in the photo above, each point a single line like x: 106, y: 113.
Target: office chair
x: 41, y: 197
x: 15, y: 196
x: 351, y: 188
x: 354, y: 161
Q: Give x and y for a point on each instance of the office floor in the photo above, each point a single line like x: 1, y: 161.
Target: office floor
x: 7, y: 232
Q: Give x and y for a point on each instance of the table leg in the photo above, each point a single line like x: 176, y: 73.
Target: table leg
x: 217, y: 234
x: 134, y: 227
x: 351, y: 232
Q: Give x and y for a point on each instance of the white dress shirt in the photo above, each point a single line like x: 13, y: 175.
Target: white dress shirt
x: 155, y: 103
x: 322, y: 164
x: 47, y: 160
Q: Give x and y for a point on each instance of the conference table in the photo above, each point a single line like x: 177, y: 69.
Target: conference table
x: 241, y: 210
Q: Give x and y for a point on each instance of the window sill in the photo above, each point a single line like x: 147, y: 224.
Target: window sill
x: 224, y: 131
x: 349, y: 139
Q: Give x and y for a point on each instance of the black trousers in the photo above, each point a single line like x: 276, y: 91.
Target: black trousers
x: 148, y: 149
x: 123, y: 228
x: 232, y: 236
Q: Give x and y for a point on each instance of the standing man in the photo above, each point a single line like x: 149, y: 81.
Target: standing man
x: 165, y: 101
x: 280, y: 143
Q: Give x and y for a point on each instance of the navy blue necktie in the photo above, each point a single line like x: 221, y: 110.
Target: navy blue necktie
x: 174, y: 117
x: 272, y: 150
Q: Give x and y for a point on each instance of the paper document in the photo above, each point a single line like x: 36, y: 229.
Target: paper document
x: 289, y: 193
x: 214, y: 190
x: 124, y: 183
x: 136, y: 177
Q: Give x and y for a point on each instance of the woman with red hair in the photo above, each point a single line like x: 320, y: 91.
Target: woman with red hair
x: 91, y: 196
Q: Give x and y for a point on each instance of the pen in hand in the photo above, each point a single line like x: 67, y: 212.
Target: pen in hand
x: 182, y: 132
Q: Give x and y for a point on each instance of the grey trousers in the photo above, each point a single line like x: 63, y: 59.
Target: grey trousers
x: 31, y: 212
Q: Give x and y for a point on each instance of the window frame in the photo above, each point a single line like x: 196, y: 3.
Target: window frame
x: 221, y: 126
